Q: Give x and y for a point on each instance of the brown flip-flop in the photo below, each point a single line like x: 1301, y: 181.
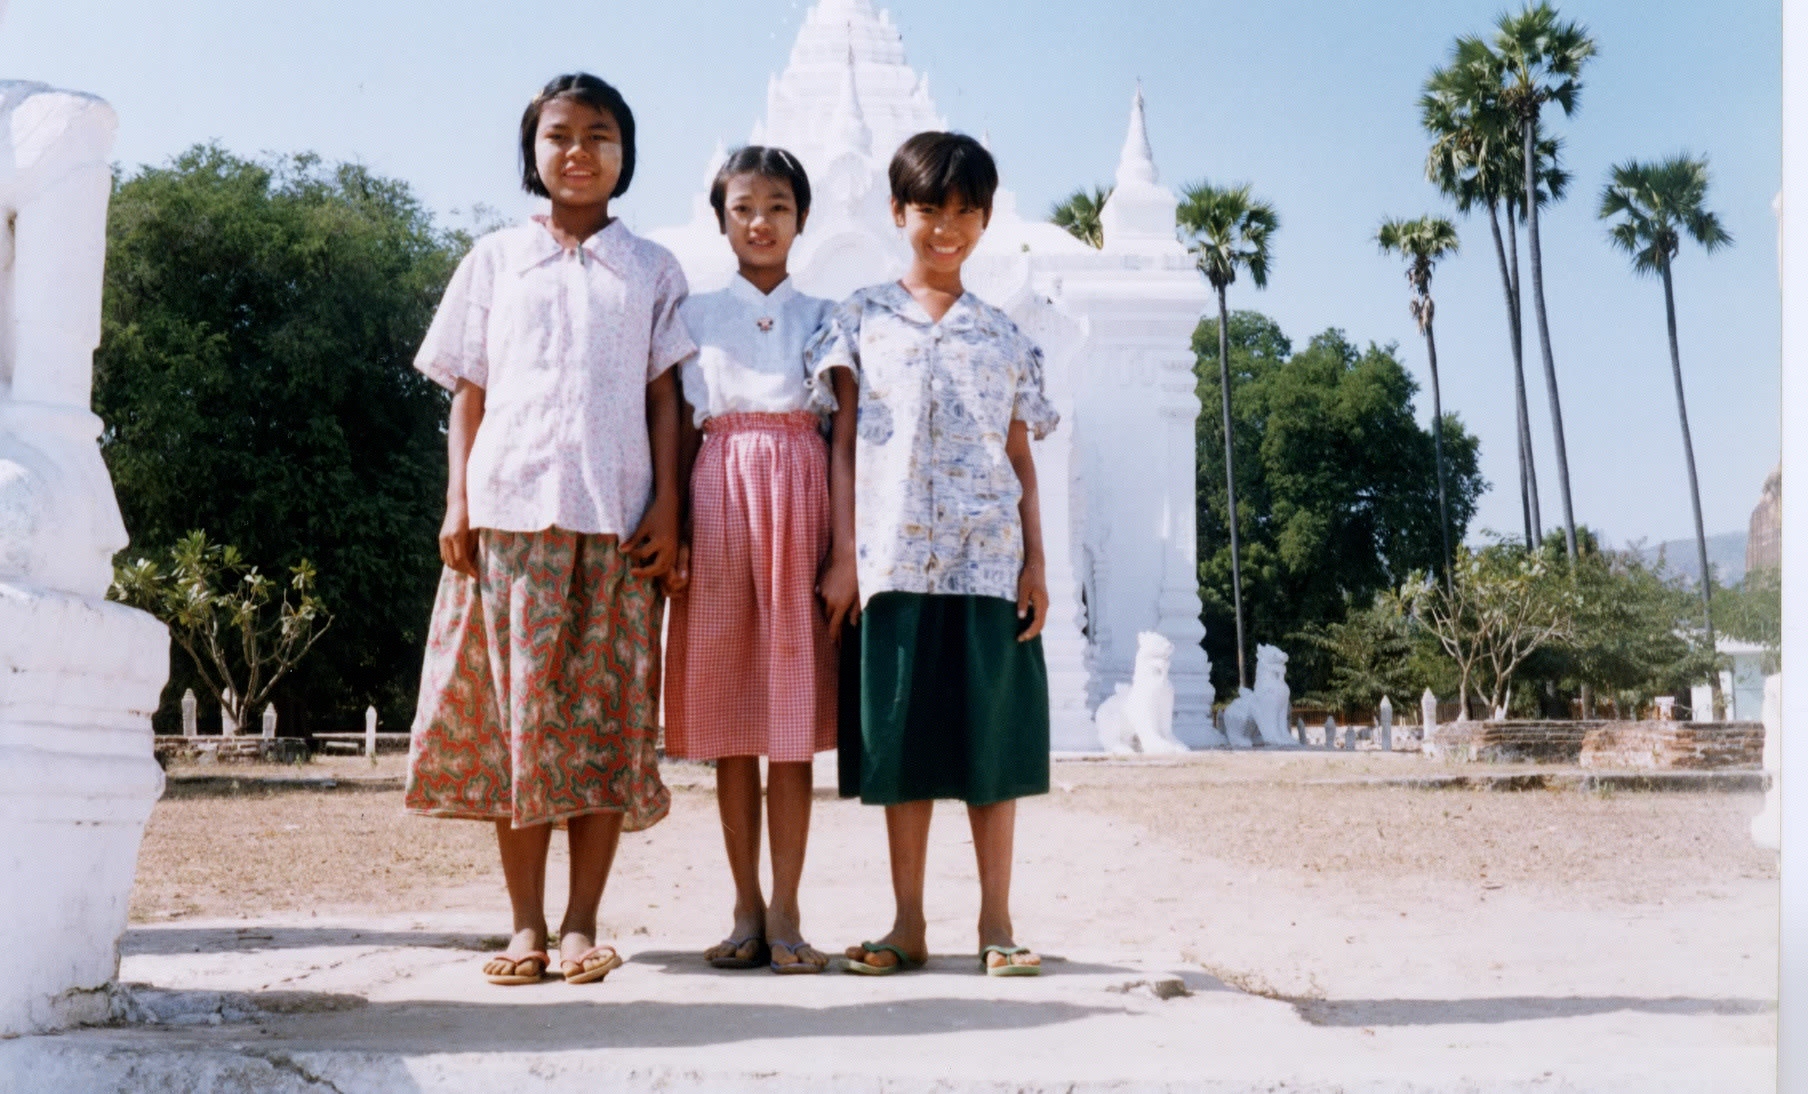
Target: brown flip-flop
x: 537, y: 958
x: 575, y: 972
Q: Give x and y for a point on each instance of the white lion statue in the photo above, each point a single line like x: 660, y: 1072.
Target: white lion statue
x: 1140, y: 716
x: 1240, y: 722
x: 1271, y: 701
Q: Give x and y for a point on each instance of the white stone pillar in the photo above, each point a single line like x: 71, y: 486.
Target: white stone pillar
x: 1384, y: 720
x: 370, y: 731
x: 191, y: 726
x: 269, y: 721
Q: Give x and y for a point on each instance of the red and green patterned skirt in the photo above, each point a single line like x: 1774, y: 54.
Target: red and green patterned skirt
x: 540, y: 689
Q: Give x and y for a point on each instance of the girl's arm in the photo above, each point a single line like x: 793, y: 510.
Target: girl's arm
x: 654, y: 544
x: 839, y: 584
x: 1032, y: 584
x: 457, y: 542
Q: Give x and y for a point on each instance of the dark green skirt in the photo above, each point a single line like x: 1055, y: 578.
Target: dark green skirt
x: 939, y: 700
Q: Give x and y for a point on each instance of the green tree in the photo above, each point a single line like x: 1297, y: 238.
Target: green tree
x: 1079, y: 212
x: 1228, y: 230
x: 219, y: 610
x: 1476, y: 161
x: 1658, y: 204
x: 1423, y: 242
x: 1752, y: 611
x: 1374, y: 651
x: 1501, y: 606
x: 258, y: 328
x: 1541, y: 60
x: 1335, y: 480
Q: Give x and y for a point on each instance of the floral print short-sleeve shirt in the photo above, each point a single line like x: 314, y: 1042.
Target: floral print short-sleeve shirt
x: 935, y: 495
x: 564, y: 344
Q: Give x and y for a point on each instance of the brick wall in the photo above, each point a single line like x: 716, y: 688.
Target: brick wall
x: 1691, y: 746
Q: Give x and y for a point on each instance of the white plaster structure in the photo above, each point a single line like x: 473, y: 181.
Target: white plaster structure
x: 1384, y: 724
x: 1767, y: 827
x: 1115, y: 325
x: 1139, y: 717
x: 79, y: 675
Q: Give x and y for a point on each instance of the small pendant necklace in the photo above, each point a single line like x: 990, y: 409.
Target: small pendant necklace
x: 764, y: 322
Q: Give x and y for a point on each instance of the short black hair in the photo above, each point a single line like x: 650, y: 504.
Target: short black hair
x: 774, y: 163
x: 593, y: 92
x: 931, y: 167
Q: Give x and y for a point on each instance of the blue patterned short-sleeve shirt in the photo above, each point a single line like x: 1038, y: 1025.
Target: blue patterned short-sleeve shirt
x: 935, y: 494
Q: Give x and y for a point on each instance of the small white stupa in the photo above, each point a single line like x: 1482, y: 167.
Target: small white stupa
x: 1115, y: 326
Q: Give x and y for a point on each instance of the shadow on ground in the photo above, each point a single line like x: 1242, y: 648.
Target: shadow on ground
x: 179, y: 940
x: 1512, y: 1008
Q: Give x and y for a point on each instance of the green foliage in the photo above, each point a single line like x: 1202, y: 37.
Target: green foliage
x: 1227, y: 229
x: 1422, y: 242
x: 1658, y: 204
x: 1477, y: 156
x: 1752, y: 611
x: 1079, y: 214
x: 1336, y: 486
x: 1374, y: 651
x: 258, y: 328
x: 219, y: 611
x: 1501, y: 605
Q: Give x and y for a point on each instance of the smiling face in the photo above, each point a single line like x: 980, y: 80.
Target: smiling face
x: 941, y: 237
x: 760, y: 219
x: 578, y: 152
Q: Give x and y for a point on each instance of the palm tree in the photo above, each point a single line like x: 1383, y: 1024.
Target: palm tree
x: 1079, y: 213
x: 1227, y: 230
x: 1541, y: 61
x: 1658, y: 204
x: 1475, y: 161
x: 1423, y: 242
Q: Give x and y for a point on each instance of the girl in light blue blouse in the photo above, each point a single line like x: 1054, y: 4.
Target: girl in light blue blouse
x: 944, y: 693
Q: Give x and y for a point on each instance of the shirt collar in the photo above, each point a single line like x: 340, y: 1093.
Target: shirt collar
x: 608, y: 245
x: 748, y: 293
x: 894, y: 297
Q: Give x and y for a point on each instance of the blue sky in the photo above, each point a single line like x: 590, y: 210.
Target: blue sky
x: 1312, y: 103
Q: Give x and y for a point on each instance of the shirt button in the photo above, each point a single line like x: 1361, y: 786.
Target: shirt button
x: 935, y: 335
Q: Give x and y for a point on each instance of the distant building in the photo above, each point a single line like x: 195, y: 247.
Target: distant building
x: 1764, y: 546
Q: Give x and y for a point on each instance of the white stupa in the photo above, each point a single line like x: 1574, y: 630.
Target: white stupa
x: 1115, y: 325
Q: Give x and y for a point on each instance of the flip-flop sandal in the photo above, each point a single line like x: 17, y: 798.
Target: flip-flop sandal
x: 1009, y: 968
x: 575, y: 972
x: 905, y: 962
x: 797, y: 966
x: 761, y: 954
x: 537, y: 957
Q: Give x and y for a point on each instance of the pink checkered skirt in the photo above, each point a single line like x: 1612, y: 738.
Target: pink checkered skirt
x: 750, y: 670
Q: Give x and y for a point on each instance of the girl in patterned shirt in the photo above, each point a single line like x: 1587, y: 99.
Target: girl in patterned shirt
x: 750, y: 661
x: 944, y: 693
x: 540, y: 688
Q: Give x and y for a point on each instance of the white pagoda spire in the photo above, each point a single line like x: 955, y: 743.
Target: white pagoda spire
x: 1136, y: 165
x: 1139, y: 216
x: 848, y: 131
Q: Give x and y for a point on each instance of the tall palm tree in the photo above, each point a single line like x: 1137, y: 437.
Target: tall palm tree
x: 1475, y: 161
x: 1423, y: 242
x: 1079, y: 213
x: 1658, y: 205
x: 1541, y: 60
x: 1228, y: 230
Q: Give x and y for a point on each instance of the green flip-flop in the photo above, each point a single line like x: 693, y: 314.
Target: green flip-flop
x: 1009, y: 968
x: 905, y: 962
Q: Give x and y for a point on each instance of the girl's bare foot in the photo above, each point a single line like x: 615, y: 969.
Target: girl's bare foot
x: 915, y: 946
x: 524, y: 961
x: 746, y: 943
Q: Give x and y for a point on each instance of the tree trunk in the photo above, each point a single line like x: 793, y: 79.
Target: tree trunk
x: 1230, y: 482
x: 1525, y: 415
x: 1688, y: 452
x: 1437, y: 441
x: 1524, y: 431
x: 1528, y: 128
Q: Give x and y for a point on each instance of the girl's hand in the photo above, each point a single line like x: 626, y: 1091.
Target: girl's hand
x: 679, y: 575
x: 457, y: 542
x: 839, y: 587
x: 1032, y: 599
x: 654, y: 545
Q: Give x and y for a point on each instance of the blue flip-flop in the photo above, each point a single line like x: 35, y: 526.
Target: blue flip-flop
x: 905, y: 962
x: 1008, y: 968
x: 796, y: 966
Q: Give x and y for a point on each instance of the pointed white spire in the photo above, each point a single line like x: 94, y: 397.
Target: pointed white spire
x: 848, y: 131
x: 716, y: 160
x: 1136, y: 165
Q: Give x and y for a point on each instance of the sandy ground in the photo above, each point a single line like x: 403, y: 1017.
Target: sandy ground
x: 1236, y: 864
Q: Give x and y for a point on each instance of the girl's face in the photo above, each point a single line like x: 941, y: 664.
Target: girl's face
x: 578, y: 151
x: 941, y: 237
x: 760, y: 219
